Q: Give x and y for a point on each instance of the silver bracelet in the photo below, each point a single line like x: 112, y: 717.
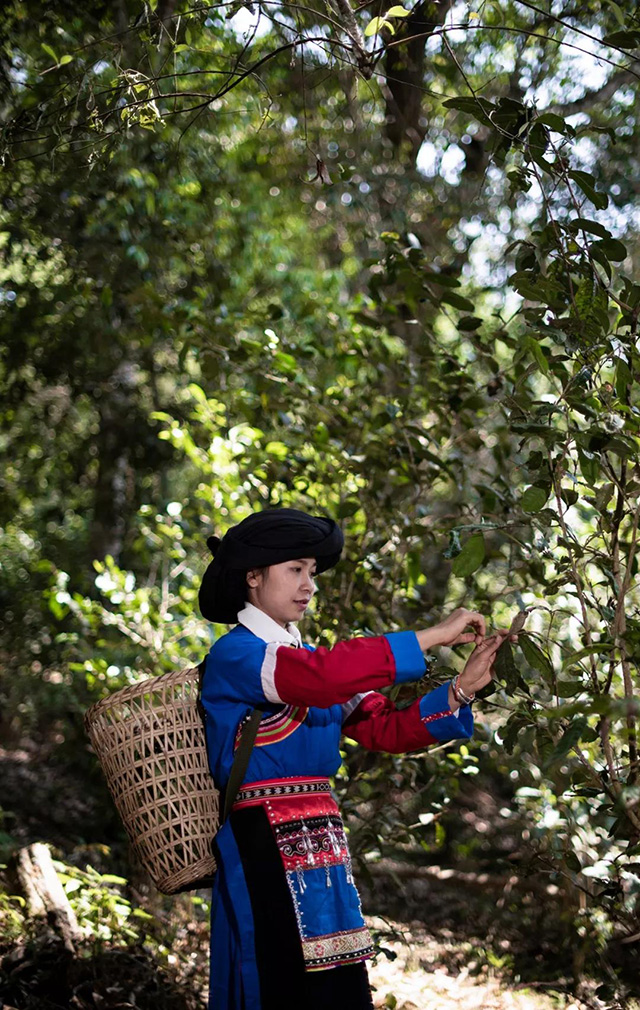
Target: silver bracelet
x: 458, y: 693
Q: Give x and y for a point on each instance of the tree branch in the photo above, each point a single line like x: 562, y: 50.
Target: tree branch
x: 351, y: 27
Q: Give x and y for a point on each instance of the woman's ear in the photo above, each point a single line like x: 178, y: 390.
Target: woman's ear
x: 253, y: 578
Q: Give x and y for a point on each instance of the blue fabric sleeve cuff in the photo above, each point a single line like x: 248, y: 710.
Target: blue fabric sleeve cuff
x: 439, y: 719
x: 410, y: 663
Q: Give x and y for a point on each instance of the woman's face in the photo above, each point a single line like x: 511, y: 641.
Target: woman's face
x: 283, y: 591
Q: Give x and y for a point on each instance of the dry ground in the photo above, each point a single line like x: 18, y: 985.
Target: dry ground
x: 421, y: 979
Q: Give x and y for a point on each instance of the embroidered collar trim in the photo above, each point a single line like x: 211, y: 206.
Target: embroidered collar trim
x: 266, y: 628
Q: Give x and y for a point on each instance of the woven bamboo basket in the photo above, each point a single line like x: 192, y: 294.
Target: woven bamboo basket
x: 150, y: 741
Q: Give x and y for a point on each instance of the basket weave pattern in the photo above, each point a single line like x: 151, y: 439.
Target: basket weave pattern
x: 150, y: 741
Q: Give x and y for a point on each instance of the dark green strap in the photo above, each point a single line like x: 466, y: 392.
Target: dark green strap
x: 243, y: 753
x: 241, y: 761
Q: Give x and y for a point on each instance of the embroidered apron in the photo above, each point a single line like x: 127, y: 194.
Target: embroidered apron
x: 312, y: 843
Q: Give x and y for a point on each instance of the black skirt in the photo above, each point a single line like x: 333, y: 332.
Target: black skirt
x: 284, y: 983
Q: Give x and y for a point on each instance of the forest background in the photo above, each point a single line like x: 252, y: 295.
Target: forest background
x: 373, y: 261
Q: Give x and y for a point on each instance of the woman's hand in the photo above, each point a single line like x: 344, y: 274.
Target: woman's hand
x: 450, y: 631
x: 479, y: 668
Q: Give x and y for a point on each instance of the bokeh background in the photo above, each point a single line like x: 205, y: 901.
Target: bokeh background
x: 378, y: 263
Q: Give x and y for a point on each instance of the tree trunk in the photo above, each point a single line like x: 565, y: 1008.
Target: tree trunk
x: 115, y: 484
x: 44, y: 893
x: 404, y: 67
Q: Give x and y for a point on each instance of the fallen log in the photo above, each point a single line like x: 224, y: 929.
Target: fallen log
x: 389, y: 867
x: 533, y: 883
x: 44, y: 894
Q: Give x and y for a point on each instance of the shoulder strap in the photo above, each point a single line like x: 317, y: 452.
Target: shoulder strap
x: 241, y: 760
x: 243, y: 753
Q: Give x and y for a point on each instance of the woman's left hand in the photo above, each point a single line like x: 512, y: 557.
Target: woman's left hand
x: 480, y: 666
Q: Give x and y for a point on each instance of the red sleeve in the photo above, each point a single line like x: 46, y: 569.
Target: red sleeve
x: 327, y: 677
x: 378, y: 725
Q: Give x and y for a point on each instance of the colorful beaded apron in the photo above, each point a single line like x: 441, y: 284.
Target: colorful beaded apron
x: 312, y: 843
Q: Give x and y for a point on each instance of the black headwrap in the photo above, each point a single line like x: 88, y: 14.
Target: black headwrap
x: 263, y: 538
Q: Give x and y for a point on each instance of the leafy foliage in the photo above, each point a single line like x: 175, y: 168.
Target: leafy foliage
x: 439, y: 348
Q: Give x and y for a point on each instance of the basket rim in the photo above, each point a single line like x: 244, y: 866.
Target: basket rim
x: 187, y: 877
x: 134, y: 690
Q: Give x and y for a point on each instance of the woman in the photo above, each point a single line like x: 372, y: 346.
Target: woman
x: 287, y: 931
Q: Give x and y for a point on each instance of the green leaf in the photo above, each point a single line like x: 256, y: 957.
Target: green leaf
x: 514, y: 727
x: 505, y: 666
x: 457, y: 301
x: 568, y: 688
x: 348, y: 508
x: 197, y: 392
x: 479, y: 108
x: 592, y: 227
x: 464, y: 104
x: 556, y: 123
x: 623, y: 378
x: 473, y: 402
x: 623, y: 40
x: 529, y: 285
x: 612, y: 248
x: 569, y: 495
x: 587, y: 184
x: 535, y: 462
x: 569, y: 738
x: 534, y: 655
x: 520, y: 179
x: 624, y: 448
x: 469, y: 323
x: 470, y: 557
x: 538, y: 353
x: 374, y: 26
x: 397, y: 12
x: 619, y: 16
x: 443, y: 280
x: 49, y: 51
x: 589, y: 650
x: 141, y: 914
x: 67, y: 58
x: 590, y: 303
x: 111, y: 878
x: 589, y: 466
x: 469, y: 104
x: 534, y: 498
x: 600, y: 258
x: 604, y: 495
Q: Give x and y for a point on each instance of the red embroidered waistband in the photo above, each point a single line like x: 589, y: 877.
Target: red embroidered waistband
x: 274, y: 789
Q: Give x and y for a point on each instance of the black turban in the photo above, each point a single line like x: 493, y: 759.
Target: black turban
x: 262, y: 539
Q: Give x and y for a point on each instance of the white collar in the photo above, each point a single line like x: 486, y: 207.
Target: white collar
x: 266, y: 628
